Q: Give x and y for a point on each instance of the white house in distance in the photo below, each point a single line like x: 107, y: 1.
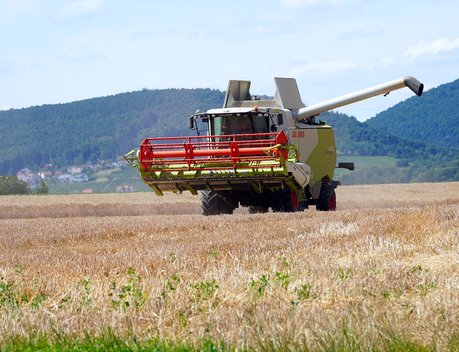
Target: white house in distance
x: 75, y: 170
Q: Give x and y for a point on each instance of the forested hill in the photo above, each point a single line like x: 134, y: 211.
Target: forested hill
x: 95, y: 129
x: 356, y: 138
x: 433, y: 118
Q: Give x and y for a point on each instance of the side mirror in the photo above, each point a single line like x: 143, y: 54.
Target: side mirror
x: 348, y: 165
x: 280, y: 119
x: 191, y: 122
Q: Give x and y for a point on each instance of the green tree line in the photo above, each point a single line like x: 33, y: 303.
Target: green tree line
x: 12, y: 185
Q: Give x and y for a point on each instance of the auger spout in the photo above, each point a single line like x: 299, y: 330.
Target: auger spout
x: 316, y: 109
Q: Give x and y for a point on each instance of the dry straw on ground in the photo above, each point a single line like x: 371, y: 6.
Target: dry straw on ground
x: 386, y: 262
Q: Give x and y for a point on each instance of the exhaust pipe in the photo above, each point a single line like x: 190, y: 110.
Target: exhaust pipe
x: 316, y: 109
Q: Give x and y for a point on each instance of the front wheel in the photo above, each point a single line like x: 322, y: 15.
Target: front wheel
x: 214, y: 203
x: 327, y: 197
x: 285, y: 201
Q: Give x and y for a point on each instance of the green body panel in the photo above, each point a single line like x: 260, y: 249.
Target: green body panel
x: 316, y: 148
x: 323, y: 158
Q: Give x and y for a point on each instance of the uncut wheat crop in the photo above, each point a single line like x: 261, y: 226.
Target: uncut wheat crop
x: 384, y: 265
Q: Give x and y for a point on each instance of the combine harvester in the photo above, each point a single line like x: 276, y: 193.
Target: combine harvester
x: 257, y: 153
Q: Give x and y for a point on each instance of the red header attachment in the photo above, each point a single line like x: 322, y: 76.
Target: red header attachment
x: 213, y: 152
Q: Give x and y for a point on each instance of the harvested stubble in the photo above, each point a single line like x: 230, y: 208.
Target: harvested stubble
x: 271, y: 281
x: 78, y: 205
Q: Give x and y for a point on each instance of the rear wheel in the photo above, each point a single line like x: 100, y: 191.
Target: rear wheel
x: 213, y: 203
x: 327, y: 197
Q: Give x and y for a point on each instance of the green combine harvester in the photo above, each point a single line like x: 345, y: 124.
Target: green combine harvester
x: 256, y: 153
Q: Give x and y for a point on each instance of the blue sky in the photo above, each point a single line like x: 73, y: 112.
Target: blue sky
x: 56, y: 51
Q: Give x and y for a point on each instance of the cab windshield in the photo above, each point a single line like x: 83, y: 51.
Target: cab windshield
x: 240, y: 124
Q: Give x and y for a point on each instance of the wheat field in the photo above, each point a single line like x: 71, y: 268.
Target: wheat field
x: 383, y: 267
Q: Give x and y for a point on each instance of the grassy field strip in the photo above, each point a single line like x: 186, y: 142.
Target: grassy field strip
x: 110, y: 204
x: 132, y: 204
x: 97, y: 210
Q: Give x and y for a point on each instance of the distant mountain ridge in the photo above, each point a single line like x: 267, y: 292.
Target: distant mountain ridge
x: 107, y: 127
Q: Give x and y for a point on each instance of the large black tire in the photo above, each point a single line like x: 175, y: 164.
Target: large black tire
x: 281, y: 201
x: 258, y: 209
x: 327, y: 197
x: 214, y: 203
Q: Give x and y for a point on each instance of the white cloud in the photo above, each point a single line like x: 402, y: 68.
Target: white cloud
x: 431, y: 48
x: 80, y: 9
x: 322, y: 67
